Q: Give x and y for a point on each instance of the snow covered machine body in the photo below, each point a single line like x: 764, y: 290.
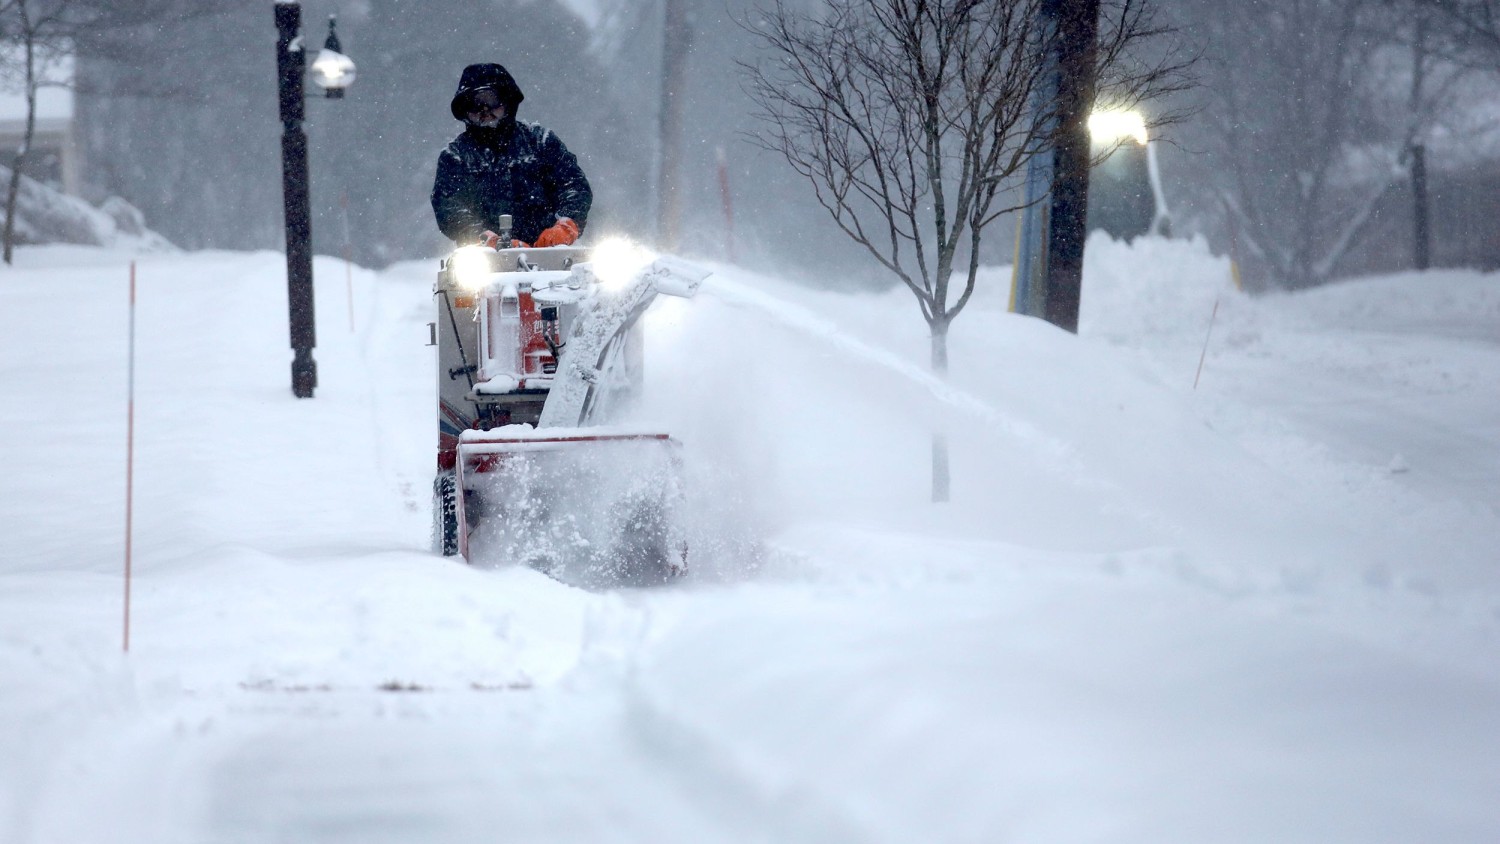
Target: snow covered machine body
x: 537, y: 351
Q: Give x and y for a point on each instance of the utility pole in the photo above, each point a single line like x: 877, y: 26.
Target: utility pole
x: 1054, y: 226
x: 1077, y: 46
x: 290, y: 69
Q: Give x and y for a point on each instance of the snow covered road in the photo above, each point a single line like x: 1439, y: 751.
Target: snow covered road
x: 1150, y: 614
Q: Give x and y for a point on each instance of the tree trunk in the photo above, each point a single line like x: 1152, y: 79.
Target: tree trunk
x: 941, y: 475
x: 14, y: 191
x: 10, y: 203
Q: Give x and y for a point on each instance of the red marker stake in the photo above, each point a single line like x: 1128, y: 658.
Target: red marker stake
x: 129, y: 452
x: 1204, y: 356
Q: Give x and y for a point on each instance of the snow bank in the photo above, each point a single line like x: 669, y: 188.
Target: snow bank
x: 1151, y: 613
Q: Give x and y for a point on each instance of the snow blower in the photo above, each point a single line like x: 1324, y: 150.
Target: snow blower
x: 538, y: 350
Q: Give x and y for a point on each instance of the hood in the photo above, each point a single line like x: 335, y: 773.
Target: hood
x: 477, y: 76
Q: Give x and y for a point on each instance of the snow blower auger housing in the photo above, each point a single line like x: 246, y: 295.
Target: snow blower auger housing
x: 536, y: 350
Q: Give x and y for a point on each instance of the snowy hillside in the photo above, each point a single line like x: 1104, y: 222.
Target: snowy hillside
x: 1264, y: 609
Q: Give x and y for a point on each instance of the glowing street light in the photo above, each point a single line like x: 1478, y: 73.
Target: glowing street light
x: 332, y: 70
x: 1110, y: 126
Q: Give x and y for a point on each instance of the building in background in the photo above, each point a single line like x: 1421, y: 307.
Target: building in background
x: 54, y: 157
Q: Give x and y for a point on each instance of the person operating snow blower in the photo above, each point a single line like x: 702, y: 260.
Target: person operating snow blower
x: 538, y: 345
x: 500, y: 166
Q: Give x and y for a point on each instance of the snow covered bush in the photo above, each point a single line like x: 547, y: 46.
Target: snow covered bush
x: 45, y: 215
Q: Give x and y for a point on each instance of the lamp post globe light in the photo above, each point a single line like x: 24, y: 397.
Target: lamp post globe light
x: 332, y: 71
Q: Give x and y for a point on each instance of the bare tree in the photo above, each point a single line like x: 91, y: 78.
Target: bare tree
x: 1469, y: 29
x: 1446, y: 38
x: 31, y: 26
x: 910, y: 118
x: 1423, y: 62
x: 1313, y: 110
x: 46, y: 31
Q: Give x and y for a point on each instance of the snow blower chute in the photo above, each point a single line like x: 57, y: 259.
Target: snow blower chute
x: 537, y: 349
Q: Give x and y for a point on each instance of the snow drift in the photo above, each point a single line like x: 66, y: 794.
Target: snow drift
x: 1152, y: 613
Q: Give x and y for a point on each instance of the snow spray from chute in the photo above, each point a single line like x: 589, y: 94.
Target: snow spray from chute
x: 590, y: 510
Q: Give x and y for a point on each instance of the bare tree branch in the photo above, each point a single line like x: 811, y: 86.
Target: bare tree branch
x: 46, y: 30
x: 910, y: 118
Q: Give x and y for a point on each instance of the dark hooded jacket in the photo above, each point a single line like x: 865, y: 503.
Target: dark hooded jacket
x: 520, y: 169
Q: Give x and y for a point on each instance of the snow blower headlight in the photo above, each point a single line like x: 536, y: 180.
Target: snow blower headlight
x: 617, y: 261
x: 470, y: 266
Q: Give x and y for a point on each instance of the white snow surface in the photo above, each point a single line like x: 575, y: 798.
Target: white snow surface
x: 1265, y: 609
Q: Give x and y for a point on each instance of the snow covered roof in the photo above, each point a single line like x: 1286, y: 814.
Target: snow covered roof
x: 54, y: 102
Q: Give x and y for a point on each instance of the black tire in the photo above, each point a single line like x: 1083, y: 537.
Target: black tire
x: 445, y: 514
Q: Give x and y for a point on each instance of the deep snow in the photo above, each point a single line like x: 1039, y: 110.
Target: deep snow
x: 1262, y: 610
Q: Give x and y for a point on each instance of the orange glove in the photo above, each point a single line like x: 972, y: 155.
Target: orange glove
x: 562, y: 234
x: 492, y: 240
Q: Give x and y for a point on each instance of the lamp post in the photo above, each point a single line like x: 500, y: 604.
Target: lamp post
x: 332, y: 71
